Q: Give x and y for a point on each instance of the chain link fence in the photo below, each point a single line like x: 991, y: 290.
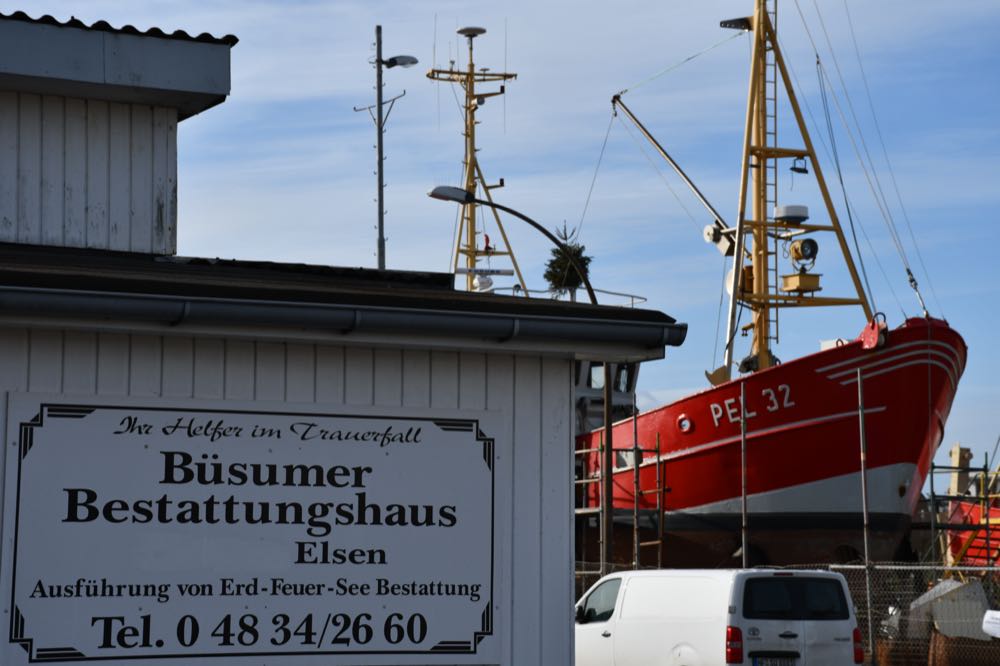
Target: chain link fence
x: 925, y: 614
x: 920, y: 614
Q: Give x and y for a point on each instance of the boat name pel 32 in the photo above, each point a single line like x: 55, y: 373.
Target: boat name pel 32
x: 775, y: 399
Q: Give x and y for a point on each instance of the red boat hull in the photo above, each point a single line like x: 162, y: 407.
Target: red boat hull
x: 803, y: 452
x: 978, y: 546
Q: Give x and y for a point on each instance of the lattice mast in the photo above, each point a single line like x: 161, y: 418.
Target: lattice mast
x: 468, y: 246
x: 758, y: 236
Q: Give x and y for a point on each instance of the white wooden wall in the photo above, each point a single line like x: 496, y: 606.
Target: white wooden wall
x: 533, y: 393
x: 89, y: 173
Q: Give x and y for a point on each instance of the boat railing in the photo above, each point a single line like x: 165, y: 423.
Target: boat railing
x: 617, y: 298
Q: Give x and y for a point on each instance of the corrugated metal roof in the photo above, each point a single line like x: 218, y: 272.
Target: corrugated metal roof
x: 104, y: 26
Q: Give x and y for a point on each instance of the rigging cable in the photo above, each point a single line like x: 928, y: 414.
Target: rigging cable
x: 871, y: 164
x: 878, y: 262
x: 840, y: 179
x: 593, y: 180
x: 851, y: 210
x: 437, y: 89
x: 885, y: 154
x: 660, y: 174
x: 879, y: 201
x: 805, y: 102
x: 718, y: 318
x: 682, y: 62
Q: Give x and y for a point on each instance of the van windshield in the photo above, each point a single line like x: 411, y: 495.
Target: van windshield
x: 798, y: 598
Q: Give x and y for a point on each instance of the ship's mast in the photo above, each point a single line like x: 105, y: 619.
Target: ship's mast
x: 763, y: 107
x: 768, y: 227
x: 467, y: 245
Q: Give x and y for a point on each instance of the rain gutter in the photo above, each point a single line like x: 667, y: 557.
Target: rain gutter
x: 171, y: 310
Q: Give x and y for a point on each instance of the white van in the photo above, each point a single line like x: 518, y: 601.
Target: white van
x: 759, y: 617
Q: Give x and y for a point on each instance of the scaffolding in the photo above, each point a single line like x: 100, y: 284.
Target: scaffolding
x: 963, y: 519
x: 591, y: 468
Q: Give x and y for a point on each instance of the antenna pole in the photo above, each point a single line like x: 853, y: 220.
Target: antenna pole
x: 469, y: 209
x: 466, y: 247
x: 379, y: 126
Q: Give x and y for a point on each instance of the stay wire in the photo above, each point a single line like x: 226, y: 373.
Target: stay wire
x: 888, y: 162
x: 861, y: 136
x: 878, y: 262
x: 437, y: 89
x: 874, y: 172
x: 686, y: 60
x: 805, y: 102
x: 659, y: 173
x: 593, y: 180
x: 718, y: 317
x: 840, y: 180
x: 879, y: 202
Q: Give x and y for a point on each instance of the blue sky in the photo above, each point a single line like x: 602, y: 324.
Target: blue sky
x: 284, y: 169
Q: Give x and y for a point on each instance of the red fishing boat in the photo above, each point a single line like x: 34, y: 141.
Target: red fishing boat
x: 979, y: 544
x: 792, y: 430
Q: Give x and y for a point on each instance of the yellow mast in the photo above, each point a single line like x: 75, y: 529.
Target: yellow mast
x: 759, y: 176
x: 757, y: 285
x: 473, y: 178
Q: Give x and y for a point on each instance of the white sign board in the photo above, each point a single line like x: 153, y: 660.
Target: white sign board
x: 991, y: 623
x: 162, y: 533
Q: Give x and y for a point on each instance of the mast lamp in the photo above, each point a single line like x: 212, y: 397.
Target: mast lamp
x: 380, y: 114
x: 399, y: 61
x: 449, y: 193
x: 744, y: 23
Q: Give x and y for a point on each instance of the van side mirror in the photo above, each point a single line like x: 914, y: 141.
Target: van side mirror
x: 581, y: 618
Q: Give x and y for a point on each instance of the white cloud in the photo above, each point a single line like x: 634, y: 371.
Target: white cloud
x: 283, y: 170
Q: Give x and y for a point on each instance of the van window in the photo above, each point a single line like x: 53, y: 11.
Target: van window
x: 601, y: 603
x: 798, y: 598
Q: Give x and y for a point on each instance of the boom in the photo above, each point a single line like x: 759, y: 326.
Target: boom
x: 718, y: 232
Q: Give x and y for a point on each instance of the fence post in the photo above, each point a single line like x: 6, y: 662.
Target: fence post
x: 934, y: 535
x: 985, y: 512
x: 636, y: 494
x: 864, y: 511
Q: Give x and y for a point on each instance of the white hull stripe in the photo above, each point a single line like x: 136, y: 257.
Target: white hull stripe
x: 889, y: 351
x: 951, y: 379
x: 755, y: 434
x: 919, y: 353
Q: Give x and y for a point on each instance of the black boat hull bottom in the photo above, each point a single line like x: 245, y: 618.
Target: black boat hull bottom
x: 775, y: 539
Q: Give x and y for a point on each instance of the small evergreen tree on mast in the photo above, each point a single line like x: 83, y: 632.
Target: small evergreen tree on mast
x: 560, y: 273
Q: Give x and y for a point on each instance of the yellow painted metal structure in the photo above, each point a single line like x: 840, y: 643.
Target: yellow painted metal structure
x: 467, y: 243
x: 758, y: 234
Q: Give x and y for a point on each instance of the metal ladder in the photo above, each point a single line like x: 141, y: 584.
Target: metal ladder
x: 771, y: 167
x: 658, y: 490
x: 581, y: 483
x: 583, y: 478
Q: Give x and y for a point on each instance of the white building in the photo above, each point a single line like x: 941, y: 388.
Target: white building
x: 272, y: 462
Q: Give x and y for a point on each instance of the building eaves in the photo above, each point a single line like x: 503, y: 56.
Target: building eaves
x: 179, y: 292
x: 104, y: 26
